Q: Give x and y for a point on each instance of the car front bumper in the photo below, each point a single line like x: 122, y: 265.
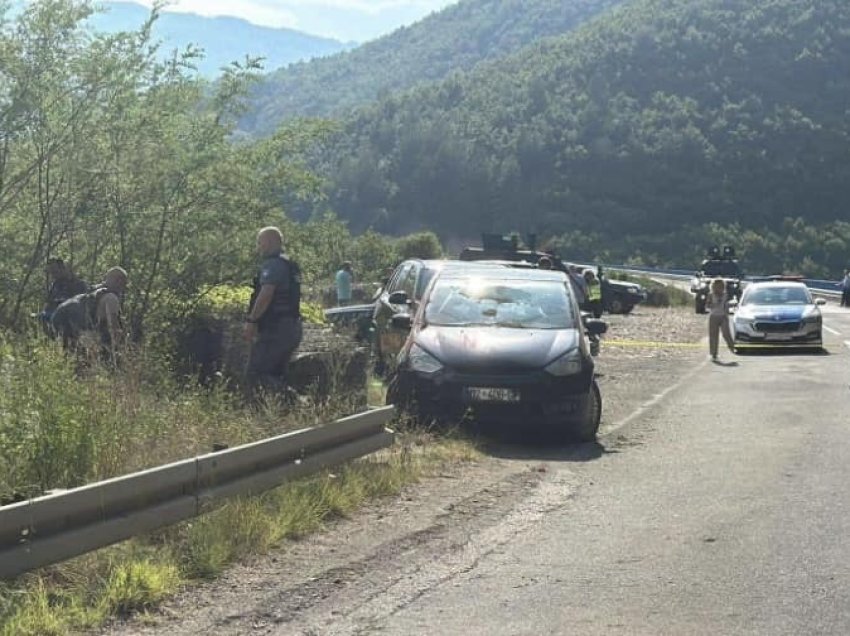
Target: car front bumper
x: 760, y: 333
x: 515, y: 399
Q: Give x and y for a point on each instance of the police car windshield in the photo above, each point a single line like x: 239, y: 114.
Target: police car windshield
x: 796, y: 295
x: 518, y: 304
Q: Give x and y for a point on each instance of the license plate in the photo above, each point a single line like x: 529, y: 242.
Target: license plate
x: 492, y: 394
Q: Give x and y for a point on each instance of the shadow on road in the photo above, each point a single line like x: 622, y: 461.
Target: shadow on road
x: 531, y: 443
x: 779, y: 351
x: 721, y: 363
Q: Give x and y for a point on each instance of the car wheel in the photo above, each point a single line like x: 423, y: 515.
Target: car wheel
x: 628, y: 309
x: 404, y: 401
x: 588, y: 427
x: 616, y: 306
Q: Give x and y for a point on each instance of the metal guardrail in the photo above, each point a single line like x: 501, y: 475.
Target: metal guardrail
x: 824, y: 287
x: 57, y: 527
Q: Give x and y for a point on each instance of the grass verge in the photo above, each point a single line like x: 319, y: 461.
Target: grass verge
x: 137, y: 575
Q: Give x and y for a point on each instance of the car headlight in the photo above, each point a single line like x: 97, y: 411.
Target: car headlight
x: 422, y: 361
x: 567, y: 364
x: 813, y: 318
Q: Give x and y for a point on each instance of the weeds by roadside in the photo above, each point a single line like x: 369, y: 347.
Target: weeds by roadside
x: 137, y: 575
x: 61, y: 428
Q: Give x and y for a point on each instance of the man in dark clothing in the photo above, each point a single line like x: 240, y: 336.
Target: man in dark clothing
x: 273, y: 326
x: 96, y: 312
x: 64, y: 284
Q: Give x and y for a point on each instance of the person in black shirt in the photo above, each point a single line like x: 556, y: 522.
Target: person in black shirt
x: 64, y: 284
x: 273, y: 325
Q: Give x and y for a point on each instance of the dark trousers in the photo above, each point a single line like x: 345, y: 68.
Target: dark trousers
x: 845, y: 298
x: 270, y: 354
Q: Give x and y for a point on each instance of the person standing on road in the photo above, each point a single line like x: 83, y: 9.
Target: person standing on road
x: 718, y: 317
x: 845, y: 289
x: 344, y: 279
x: 273, y: 325
x: 578, y: 283
x: 594, y: 293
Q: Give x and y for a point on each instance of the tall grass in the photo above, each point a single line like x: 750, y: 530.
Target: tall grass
x: 64, y: 423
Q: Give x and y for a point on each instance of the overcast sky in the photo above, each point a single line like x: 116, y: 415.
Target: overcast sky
x: 357, y: 20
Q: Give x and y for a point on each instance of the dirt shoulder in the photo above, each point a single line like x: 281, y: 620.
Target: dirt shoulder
x: 396, y: 549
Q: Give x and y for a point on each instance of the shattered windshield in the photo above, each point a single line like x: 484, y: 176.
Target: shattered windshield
x: 519, y: 304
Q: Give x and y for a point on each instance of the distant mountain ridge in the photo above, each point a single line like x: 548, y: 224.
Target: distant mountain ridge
x: 454, y: 39
x: 661, y: 116
x: 223, y: 39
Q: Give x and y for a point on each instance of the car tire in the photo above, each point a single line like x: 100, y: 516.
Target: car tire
x: 616, y: 306
x: 588, y: 427
x: 628, y: 309
x: 404, y: 402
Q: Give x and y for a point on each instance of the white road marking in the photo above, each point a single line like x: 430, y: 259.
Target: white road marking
x: 643, y: 408
x: 832, y: 331
x: 847, y: 342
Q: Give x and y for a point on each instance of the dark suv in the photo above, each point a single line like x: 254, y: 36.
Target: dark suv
x: 719, y: 265
x: 401, y: 295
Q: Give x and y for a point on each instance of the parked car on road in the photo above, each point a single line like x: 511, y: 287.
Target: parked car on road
x: 401, y: 295
x: 620, y: 297
x: 778, y: 313
x: 502, y: 343
x: 719, y: 264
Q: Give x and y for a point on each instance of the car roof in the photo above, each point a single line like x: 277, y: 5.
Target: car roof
x: 774, y: 284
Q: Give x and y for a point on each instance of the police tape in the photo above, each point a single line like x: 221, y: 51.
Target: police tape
x: 695, y: 345
x: 650, y: 344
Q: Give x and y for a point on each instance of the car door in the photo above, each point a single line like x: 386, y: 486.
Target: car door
x: 394, y: 337
x: 384, y: 311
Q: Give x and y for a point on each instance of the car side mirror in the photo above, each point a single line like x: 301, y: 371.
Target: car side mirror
x: 595, y: 327
x: 820, y: 301
x: 402, y: 321
x: 399, y: 298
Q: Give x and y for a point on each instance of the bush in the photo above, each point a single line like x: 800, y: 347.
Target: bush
x: 420, y: 245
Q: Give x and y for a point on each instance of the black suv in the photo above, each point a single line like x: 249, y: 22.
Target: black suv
x: 401, y: 295
x: 718, y: 265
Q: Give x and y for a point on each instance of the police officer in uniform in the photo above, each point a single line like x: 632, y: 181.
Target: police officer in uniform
x: 273, y: 325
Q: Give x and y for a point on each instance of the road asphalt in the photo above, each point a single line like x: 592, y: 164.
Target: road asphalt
x: 728, y: 514
x: 719, y: 506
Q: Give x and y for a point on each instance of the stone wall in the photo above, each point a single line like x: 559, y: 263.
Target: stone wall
x: 329, y: 362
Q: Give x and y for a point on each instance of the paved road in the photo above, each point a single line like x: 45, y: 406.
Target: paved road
x: 730, y: 514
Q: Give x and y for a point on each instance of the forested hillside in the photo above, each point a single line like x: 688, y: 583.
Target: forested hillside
x: 456, y: 38
x: 659, y: 117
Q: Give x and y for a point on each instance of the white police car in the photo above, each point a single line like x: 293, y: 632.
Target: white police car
x: 779, y: 313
